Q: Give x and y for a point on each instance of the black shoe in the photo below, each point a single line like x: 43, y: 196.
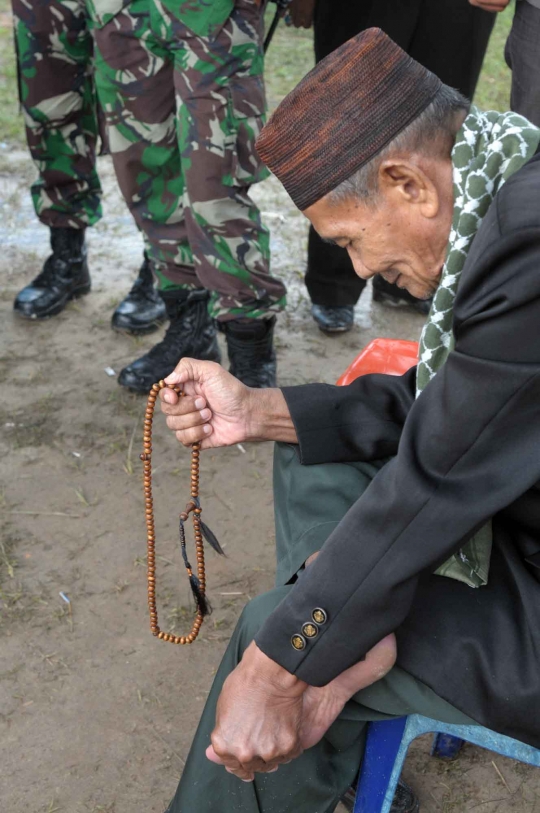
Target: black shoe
x: 404, y: 800
x: 143, y: 310
x: 65, y: 276
x: 336, y: 319
x: 191, y: 332
x: 251, y: 351
x: 388, y: 294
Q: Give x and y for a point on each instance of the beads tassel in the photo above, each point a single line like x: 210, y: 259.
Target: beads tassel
x: 211, y: 538
x: 200, y: 599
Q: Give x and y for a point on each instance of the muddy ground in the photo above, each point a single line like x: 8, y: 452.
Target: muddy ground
x: 95, y: 714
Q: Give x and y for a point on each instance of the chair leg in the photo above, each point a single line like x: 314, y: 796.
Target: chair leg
x: 445, y: 746
x: 381, y: 766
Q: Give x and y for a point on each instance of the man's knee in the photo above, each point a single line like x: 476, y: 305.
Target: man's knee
x: 257, y: 611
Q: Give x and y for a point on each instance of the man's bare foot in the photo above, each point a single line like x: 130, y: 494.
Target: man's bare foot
x: 323, y: 705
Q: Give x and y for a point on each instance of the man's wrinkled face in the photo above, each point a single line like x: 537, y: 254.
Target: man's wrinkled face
x: 404, y: 236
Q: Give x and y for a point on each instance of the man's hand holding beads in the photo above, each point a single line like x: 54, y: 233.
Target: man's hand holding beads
x: 219, y: 410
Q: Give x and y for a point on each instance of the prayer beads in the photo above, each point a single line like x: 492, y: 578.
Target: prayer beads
x: 198, y: 582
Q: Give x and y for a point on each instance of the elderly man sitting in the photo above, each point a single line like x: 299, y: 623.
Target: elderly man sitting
x: 407, y: 508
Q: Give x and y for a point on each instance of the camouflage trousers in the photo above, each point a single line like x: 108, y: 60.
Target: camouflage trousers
x: 182, y: 114
x: 54, y: 56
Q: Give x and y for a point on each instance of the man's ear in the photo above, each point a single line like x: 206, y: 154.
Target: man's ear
x: 405, y: 183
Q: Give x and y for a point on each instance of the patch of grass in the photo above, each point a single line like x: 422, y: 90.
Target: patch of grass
x: 493, y: 91
x: 8, y: 363
x: 34, y: 426
x: 18, y: 605
x: 178, y: 618
x: 11, y: 674
x: 11, y: 122
x: 128, y: 465
x: 81, y: 496
x: 52, y: 807
x: 288, y: 59
x: 126, y: 403
x: 7, y: 557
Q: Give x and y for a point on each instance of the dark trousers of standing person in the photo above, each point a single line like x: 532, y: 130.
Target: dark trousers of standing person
x: 449, y: 37
x: 522, y: 55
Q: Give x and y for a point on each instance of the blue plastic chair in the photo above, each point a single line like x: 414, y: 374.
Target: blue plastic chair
x: 387, y: 744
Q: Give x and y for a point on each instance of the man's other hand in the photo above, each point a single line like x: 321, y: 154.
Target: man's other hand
x: 258, y: 717
x: 490, y: 5
x: 214, y: 409
x: 301, y: 13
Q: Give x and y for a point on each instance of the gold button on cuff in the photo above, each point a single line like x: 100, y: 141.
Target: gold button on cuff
x: 319, y: 616
x: 298, y: 642
x: 310, y: 630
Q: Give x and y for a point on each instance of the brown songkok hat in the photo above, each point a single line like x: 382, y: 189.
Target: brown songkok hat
x: 344, y: 112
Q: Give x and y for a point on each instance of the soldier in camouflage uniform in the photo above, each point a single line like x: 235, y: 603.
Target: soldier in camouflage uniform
x: 55, y: 64
x: 181, y: 87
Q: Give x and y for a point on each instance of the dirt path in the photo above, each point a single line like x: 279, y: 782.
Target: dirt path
x: 95, y: 714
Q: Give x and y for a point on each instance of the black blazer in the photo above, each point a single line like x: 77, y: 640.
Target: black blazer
x: 466, y: 450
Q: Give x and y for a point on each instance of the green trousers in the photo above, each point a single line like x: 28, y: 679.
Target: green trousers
x: 56, y: 88
x: 309, y: 502
x: 183, y: 113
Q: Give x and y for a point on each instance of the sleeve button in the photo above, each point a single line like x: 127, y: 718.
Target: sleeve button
x: 298, y: 642
x: 319, y: 616
x: 310, y: 630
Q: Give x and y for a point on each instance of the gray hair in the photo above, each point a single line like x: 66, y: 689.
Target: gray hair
x: 432, y: 134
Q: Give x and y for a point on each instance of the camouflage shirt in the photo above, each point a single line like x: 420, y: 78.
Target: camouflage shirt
x: 203, y: 17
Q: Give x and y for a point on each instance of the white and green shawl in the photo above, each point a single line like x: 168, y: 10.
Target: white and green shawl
x: 489, y: 148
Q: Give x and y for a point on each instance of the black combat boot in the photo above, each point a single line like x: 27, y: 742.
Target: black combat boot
x: 251, y: 351
x: 143, y: 310
x: 65, y: 276
x: 388, y: 294
x: 333, y: 318
x: 404, y: 800
x: 191, y: 333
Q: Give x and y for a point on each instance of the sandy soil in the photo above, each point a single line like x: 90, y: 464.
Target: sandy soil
x: 95, y: 714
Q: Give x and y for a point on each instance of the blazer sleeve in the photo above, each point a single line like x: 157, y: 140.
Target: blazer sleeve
x: 362, y: 421
x: 470, y: 446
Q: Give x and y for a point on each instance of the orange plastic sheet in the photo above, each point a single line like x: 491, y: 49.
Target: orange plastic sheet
x: 390, y: 356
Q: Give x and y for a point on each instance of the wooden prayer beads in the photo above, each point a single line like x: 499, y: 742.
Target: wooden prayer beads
x: 198, y: 583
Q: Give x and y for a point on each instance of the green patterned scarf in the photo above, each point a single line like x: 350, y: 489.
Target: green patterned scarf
x: 489, y: 148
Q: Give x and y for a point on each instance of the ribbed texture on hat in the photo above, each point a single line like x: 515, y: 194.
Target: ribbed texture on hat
x: 344, y: 112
